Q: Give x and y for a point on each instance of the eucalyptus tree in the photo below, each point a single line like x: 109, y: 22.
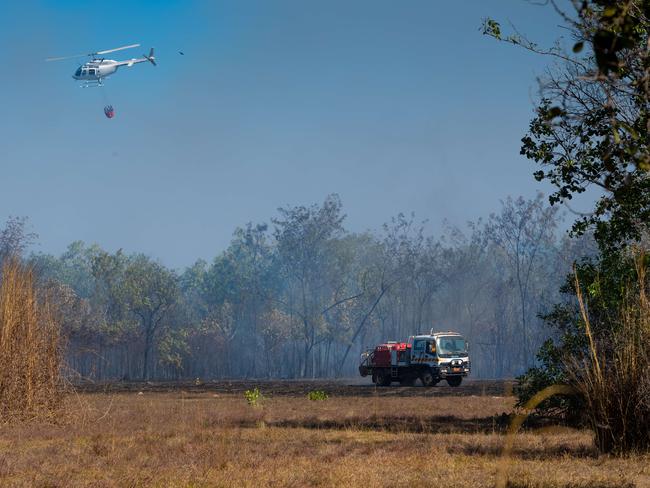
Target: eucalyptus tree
x: 374, y: 278
x: 525, y: 231
x: 137, y: 295
x: 474, y: 296
x: 71, y: 275
x: 313, y: 268
x: 413, y: 269
x: 149, y: 291
x: 15, y: 238
x: 227, y: 301
x: 74, y: 267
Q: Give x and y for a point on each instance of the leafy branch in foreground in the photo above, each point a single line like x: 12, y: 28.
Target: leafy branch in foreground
x: 591, y: 127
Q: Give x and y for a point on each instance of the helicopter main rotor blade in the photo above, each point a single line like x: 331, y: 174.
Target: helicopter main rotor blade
x: 66, y: 57
x: 94, y: 54
x: 115, y: 49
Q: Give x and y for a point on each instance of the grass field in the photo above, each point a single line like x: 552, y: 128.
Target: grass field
x: 208, y: 435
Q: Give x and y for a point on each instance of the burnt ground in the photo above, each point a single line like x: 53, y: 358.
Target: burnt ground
x: 350, y: 387
x: 344, y: 388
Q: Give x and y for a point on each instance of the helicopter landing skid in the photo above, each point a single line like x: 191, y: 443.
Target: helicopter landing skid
x: 89, y: 84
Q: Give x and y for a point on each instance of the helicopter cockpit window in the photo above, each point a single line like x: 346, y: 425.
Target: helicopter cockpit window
x: 78, y: 72
x: 91, y: 72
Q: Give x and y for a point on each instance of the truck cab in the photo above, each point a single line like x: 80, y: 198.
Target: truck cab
x: 440, y: 356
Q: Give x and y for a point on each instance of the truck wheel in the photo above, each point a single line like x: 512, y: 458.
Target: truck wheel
x: 454, y: 380
x: 427, y: 379
x: 383, y: 379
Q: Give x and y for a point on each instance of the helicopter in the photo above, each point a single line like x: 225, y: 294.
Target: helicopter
x: 93, y: 72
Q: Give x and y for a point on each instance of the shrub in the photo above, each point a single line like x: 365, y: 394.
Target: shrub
x: 603, y: 353
x: 606, y: 284
x: 613, y: 378
x: 254, y: 397
x: 317, y: 395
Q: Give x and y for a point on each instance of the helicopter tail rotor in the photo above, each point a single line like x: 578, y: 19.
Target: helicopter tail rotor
x: 151, y: 58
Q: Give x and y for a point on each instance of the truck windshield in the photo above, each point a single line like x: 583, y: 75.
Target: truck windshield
x: 452, y: 346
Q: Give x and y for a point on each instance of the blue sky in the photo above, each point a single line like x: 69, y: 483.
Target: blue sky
x: 396, y: 106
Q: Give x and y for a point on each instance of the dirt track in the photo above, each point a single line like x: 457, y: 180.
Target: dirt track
x: 339, y: 388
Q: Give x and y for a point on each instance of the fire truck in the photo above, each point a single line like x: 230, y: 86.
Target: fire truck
x: 430, y: 358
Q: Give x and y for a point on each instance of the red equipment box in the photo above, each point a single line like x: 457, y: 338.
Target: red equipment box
x: 382, y: 353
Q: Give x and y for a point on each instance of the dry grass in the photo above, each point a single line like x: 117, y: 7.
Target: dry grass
x: 30, y: 356
x: 178, y: 439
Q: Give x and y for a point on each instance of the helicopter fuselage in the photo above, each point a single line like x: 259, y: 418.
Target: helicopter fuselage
x: 96, y: 70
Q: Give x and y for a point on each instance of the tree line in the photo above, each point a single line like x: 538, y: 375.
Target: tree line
x: 302, y: 296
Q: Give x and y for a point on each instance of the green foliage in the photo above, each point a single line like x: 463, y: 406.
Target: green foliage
x: 492, y: 28
x: 136, y: 293
x: 317, y: 395
x: 613, y: 378
x: 148, y: 288
x: 551, y: 371
x: 594, y: 149
x: 172, y: 348
x: 605, y: 283
x: 283, y: 302
x: 15, y: 238
x: 592, y: 129
x: 592, y: 123
x: 72, y: 268
x: 254, y: 397
x: 616, y: 27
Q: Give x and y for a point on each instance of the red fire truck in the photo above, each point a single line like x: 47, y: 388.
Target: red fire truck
x: 429, y: 358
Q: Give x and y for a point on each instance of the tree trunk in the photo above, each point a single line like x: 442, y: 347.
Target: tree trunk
x: 147, y: 351
x: 359, y: 328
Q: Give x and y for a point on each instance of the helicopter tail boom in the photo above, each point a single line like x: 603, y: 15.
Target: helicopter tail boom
x: 145, y: 57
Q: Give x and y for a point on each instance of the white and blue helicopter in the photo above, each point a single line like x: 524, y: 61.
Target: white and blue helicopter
x: 93, y: 72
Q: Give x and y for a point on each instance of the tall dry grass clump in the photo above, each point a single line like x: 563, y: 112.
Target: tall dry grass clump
x: 614, y: 377
x: 30, y: 353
